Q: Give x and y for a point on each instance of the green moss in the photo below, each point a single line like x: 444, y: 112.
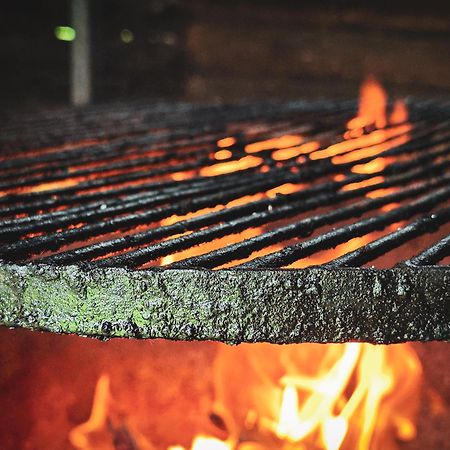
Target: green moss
x: 138, y: 319
x: 314, y: 305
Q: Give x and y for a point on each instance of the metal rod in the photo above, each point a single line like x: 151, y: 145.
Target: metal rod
x: 433, y: 254
x: 304, y: 227
x: 80, y: 57
x: 423, y: 225
x: 333, y: 238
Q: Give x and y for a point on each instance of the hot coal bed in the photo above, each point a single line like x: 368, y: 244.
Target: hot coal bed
x: 280, y: 222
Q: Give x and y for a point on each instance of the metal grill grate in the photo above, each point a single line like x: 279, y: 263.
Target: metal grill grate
x: 93, y: 203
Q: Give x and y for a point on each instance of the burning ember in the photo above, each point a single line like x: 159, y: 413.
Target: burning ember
x: 294, y: 397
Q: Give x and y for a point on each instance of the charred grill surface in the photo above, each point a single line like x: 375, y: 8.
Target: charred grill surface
x: 113, y: 217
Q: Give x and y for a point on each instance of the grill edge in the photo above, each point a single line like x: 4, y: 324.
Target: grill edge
x: 232, y: 305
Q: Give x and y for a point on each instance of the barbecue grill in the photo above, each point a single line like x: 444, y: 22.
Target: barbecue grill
x: 203, y: 222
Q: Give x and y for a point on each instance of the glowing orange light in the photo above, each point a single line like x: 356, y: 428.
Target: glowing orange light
x: 375, y: 165
x: 89, y: 434
x: 399, y: 113
x: 364, y: 183
x: 286, y: 188
x: 372, y: 105
x: 223, y: 154
x: 53, y: 185
x: 226, y: 142
x: 231, y: 166
x: 370, y: 151
x: 332, y: 397
x: 285, y: 141
x: 289, y: 427
x: 365, y: 142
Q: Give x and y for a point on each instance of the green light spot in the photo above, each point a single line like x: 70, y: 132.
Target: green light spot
x: 65, y: 33
x: 126, y: 36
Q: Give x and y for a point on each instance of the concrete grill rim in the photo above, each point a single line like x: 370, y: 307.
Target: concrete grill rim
x: 318, y: 304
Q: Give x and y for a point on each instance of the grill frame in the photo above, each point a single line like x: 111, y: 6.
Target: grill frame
x: 328, y: 303
x: 281, y: 306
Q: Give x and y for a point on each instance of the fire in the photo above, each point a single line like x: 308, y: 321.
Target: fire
x: 204, y: 442
x: 105, y: 429
x: 399, y: 113
x: 88, y: 435
x: 389, y: 132
x: 372, y: 105
x: 326, y: 397
x: 351, y: 396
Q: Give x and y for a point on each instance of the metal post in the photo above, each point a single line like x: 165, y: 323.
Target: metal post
x: 80, y: 55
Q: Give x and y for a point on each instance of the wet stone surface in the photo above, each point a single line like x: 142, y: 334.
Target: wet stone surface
x: 233, y: 306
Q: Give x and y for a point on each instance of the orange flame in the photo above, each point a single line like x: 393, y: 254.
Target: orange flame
x: 372, y: 105
x: 89, y: 434
x: 329, y: 397
x: 399, y: 113
x: 356, y: 146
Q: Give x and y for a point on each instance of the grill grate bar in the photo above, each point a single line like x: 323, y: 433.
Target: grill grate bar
x: 95, y: 212
x: 116, y: 194
x: 123, y: 222
x: 127, y: 177
x: 204, y: 195
x: 97, y: 184
x: 9, y: 234
x: 433, y: 254
x: 125, y: 183
x: 165, y: 248
x: 201, y: 157
x: 313, y: 197
x: 66, y: 163
x: 426, y: 224
x: 182, y: 126
x: 64, y: 158
x: 305, y: 227
x: 155, y: 192
x: 104, y: 171
x: 167, y: 140
x: 55, y: 132
x: 333, y: 238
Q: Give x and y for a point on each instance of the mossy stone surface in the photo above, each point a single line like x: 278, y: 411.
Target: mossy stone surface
x: 279, y: 306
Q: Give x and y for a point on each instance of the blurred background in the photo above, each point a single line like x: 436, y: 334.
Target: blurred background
x: 55, y: 52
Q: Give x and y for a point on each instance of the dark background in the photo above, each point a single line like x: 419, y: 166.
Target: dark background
x: 228, y: 49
